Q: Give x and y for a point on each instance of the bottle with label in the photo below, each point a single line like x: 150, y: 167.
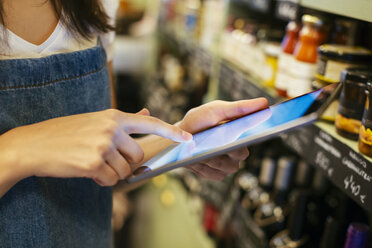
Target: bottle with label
x: 303, y: 67
x: 285, y: 58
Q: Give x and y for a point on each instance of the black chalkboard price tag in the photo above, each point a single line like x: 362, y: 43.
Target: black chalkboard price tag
x: 347, y: 169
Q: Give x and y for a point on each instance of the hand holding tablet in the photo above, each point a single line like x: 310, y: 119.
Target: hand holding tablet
x: 239, y: 133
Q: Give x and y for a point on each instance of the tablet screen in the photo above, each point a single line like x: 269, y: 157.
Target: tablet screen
x: 241, y: 128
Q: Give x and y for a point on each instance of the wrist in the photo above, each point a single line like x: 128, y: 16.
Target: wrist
x: 11, y: 159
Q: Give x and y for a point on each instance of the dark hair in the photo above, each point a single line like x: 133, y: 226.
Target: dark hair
x: 81, y: 17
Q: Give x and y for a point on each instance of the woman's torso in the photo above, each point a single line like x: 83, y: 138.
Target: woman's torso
x: 52, y: 212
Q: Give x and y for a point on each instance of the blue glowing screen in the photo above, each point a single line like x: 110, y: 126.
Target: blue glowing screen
x: 237, y: 129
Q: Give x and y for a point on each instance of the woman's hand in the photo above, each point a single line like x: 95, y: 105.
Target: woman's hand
x: 93, y: 145
x: 211, y: 114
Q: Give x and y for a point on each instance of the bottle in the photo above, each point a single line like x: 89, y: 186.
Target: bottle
x: 303, y: 68
x: 317, y: 208
x: 271, y: 216
x: 191, y: 15
x: 272, y: 51
x: 358, y: 236
x: 340, y: 210
x: 304, y: 175
x: 331, y: 234
x: 259, y: 194
x: 295, y: 235
x: 285, y: 58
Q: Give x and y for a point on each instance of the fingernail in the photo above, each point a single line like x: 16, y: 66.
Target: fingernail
x: 187, y: 136
x: 141, y: 170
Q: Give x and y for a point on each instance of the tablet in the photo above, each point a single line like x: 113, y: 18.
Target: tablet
x: 241, y: 132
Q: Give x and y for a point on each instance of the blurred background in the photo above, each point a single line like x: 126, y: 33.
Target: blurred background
x: 308, y: 188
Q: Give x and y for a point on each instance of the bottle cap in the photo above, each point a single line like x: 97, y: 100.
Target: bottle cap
x: 285, y: 171
x: 358, y: 235
x: 267, y: 173
x: 359, y: 75
x: 313, y: 20
x: 303, y: 174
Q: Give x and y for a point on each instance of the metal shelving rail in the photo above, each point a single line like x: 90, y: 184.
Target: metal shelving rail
x: 318, y: 144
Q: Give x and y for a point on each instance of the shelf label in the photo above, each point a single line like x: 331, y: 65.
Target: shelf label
x: 287, y: 9
x: 346, y: 168
x: 354, y: 188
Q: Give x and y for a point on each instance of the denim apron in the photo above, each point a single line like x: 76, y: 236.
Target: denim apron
x: 52, y: 212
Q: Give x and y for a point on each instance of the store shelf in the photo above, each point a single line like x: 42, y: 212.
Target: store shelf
x: 201, y: 56
x: 237, y: 85
x: 358, y: 9
x: 342, y: 164
x: 318, y: 144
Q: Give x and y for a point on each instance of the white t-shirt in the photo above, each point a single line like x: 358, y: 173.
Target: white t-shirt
x: 60, y: 41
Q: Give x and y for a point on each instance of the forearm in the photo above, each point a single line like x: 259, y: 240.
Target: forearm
x: 10, y: 172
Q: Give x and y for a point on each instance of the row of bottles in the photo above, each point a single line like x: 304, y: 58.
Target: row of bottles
x: 305, y: 63
x: 198, y: 20
x: 286, y: 203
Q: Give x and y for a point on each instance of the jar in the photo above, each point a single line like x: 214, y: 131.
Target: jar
x: 352, y: 101
x: 365, y: 132
x: 303, y: 67
x: 285, y: 57
x: 332, y: 59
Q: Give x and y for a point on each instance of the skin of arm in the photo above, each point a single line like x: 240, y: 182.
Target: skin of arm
x: 93, y: 145
x: 10, y: 172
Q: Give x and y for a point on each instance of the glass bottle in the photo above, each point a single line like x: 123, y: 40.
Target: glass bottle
x: 295, y: 235
x: 271, y: 216
x: 304, y: 66
x: 285, y: 58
